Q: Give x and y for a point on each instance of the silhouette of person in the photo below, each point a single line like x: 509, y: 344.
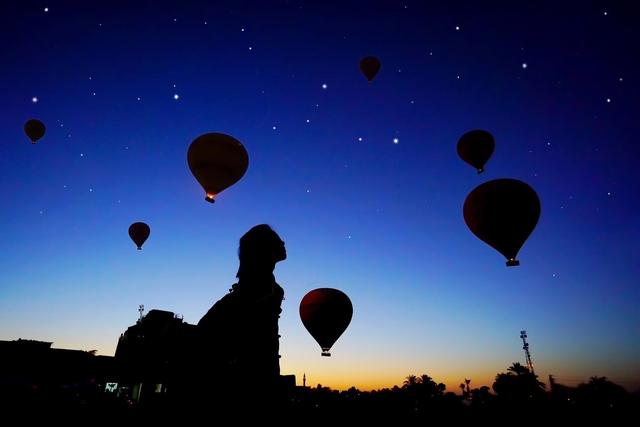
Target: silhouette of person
x: 240, y: 331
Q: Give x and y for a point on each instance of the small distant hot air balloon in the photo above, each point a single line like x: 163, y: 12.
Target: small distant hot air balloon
x: 217, y: 161
x: 139, y: 233
x: 370, y: 65
x: 326, y: 313
x: 34, y: 129
x: 503, y: 213
x: 476, y: 147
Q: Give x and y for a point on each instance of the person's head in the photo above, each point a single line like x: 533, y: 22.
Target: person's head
x: 259, y: 251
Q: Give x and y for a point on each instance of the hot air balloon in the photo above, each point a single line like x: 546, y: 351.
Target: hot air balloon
x: 370, y: 65
x: 217, y: 161
x: 34, y: 129
x: 326, y: 313
x: 139, y: 233
x: 503, y: 213
x: 476, y: 147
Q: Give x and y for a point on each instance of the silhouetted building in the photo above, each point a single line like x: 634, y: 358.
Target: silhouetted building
x: 152, y: 352
x: 32, y: 370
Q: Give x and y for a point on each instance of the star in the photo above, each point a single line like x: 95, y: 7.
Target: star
x: 176, y: 96
x: 46, y: 9
x: 90, y: 190
x: 81, y: 154
x: 524, y: 65
x: 396, y: 140
x: 308, y: 120
x: 34, y: 99
x: 274, y: 128
x: 458, y: 77
x: 608, y: 100
x: 242, y: 29
x: 604, y: 13
x: 93, y: 93
x: 359, y: 139
x: 457, y: 28
x: 324, y: 86
x: 138, y: 98
x: 250, y: 48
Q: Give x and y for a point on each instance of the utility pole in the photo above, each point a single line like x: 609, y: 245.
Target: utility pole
x: 525, y: 347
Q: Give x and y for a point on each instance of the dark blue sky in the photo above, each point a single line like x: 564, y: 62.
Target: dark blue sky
x: 379, y: 219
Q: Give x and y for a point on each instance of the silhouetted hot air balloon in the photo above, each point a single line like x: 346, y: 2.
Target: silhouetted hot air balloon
x: 34, y: 129
x: 476, y: 147
x: 217, y: 161
x: 139, y: 233
x: 326, y: 313
x: 503, y: 213
x: 370, y: 65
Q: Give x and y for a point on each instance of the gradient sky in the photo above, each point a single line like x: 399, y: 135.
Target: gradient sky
x: 555, y: 83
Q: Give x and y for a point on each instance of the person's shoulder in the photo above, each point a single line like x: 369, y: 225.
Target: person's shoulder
x: 220, y: 308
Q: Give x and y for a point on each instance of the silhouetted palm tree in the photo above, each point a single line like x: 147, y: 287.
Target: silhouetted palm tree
x: 518, y: 384
x: 410, y: 381
x: 518, y: 369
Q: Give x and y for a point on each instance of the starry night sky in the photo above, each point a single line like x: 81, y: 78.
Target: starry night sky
x: 362, y: 181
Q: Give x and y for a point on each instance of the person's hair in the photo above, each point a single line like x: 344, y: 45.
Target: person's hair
x: 255, y: 248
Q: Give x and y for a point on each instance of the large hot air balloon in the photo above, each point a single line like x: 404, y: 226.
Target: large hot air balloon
x: 370, y: 65
x: 503, y: 213
x: 217, y: 161
x: 326, y: 313
x: 476, y: 147
x: 34, y: 129
x: 139, y: 233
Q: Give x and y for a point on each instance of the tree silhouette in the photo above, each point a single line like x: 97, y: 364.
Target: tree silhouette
x: 518, y: 369
x: 518, y: 384
x: 410, y: 381
x: 600, y: 393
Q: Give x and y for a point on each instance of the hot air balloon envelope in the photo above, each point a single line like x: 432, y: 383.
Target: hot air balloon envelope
x: 326, y: 313
x: 34, y: 129
x: 139, y: 233
x: 503, y: 213
x: 369, y: 66
x: 217, y: 161
x: 476, y: 147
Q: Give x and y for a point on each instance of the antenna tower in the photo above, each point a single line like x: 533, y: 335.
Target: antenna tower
x: 525, y: 347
